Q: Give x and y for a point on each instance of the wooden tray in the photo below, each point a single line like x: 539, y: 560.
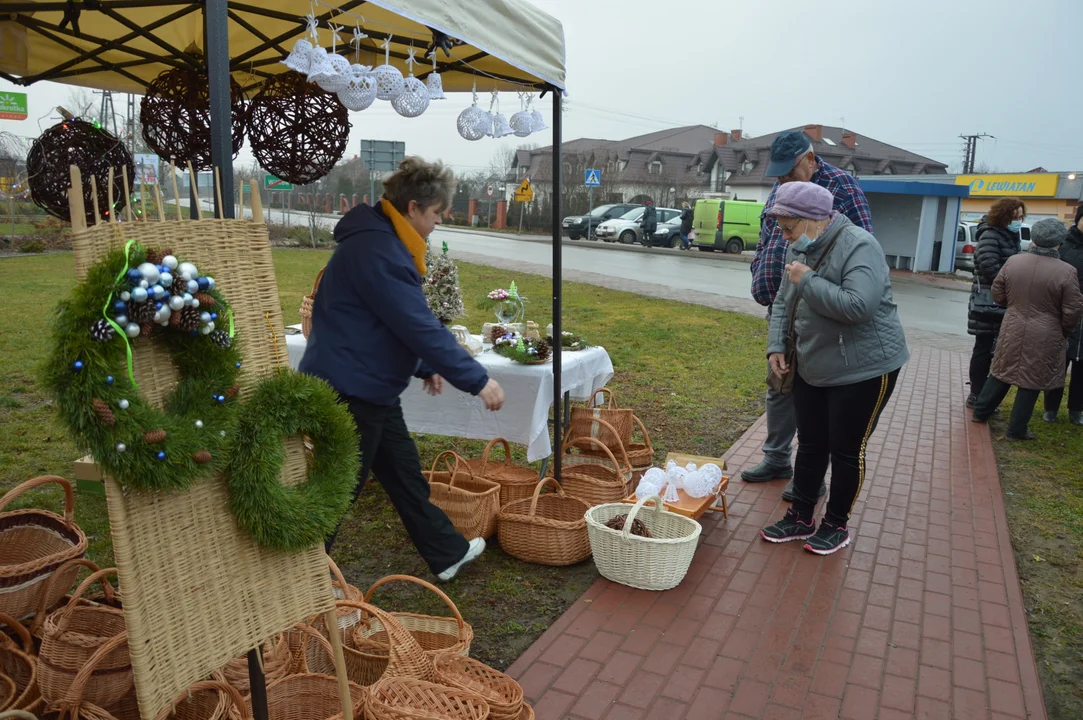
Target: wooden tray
x: 696, y: 507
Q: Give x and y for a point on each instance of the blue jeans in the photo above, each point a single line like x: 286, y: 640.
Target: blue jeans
x: 686, y: 242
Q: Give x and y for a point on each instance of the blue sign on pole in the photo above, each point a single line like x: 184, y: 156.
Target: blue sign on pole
x: 592, y: 178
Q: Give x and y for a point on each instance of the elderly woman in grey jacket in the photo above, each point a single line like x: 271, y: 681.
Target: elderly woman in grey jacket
x: 848, y: 347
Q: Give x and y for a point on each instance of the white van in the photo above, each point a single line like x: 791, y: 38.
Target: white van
x: 966, y: 242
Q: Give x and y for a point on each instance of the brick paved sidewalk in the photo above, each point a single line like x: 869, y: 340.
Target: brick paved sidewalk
x: 920, y: 617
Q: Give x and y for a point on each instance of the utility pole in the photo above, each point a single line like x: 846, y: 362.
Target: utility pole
x: 970, y: 152
x: 107, y: 116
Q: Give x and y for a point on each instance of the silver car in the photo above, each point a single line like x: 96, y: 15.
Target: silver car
x: 627, y: 230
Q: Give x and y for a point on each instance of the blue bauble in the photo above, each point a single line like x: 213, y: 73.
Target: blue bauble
x: 203, y: 283
x: 158, y: 306
x: 134, y: 276
x: 166, y: 279
x: 161, y: 454
x: 121, y: 319
x: 120, y: 307
x: 77, y: 365
x: 109, y: 379
x: 214, y: 316
x: 139, y: 294
x: 238, y: 364
x: 210, y: 283
x: 221, y: 398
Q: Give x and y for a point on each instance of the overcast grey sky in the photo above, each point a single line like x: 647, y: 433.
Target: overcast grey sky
x: 915, y: 74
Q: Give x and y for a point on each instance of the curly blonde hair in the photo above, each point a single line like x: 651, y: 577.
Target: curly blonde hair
x: 425, y: 183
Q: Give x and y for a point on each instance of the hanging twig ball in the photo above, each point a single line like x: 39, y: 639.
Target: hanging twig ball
x: 176, y: 117
x: 93, y: 150
x: 297, y: 130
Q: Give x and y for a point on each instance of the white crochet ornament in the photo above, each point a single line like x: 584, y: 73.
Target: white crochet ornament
x: 537, y: 121
x: 360, y: 91
x: 471, y: 123
x: 651, y: 483
x: 300, y: 58
x: 336, y: 75
x: 435, y: 83
x: 501, y: 128
x: 389, y: 79
x: 414, y: 98
x: 522, y: 124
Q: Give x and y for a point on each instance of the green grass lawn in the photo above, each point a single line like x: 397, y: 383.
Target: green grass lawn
x: 1043, y: 494
x: 694, y: 375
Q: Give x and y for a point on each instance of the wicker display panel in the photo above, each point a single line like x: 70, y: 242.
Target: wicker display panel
x: 187, y: 572
x: 547, y: 529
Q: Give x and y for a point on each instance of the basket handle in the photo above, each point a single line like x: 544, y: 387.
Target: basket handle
x: 428, y: 586
x: 340, y: 578
x: 596, y: 441
x: 537, y: 493
x: 47, y: 589
x: 203, y: 686
x: 64, y: 613
x: 643, y: 429
x: 609, y: 399
x: 20, y: 714
x: 402, y: 646
x: 319, y: 276
x: 19, y: 629
x: 444, y: 456
x: 627, y: 531
x: 603, y: 446
x: 74, y: 694
x: 69, y: 495
x: 491, y: 445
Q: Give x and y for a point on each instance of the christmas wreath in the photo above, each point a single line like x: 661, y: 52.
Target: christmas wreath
x: 570, y: 341
x: 295, y: 517
x: 135, y: 294
x: 514, y: 346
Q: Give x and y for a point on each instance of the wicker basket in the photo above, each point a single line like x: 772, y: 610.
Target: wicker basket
x: 308, y: 697
x: 547, y: 529
x: 75, y: 703
x: 307, y: 303
x: 592, y: 478
x: 503, y: 694
x: 17, y: 662
x: 64, y: 576
x: 205, y: 700
x: 618, y: 430
x: 515, y: 482
x: 34, y: 543
x: 527, y: 712
x: 434, y: 634
x: 277, y: 663
x: 72, y: 635
x: 408, y: 699
x: 655, y: 563
x: 471, y: 502
x: 640, y: 455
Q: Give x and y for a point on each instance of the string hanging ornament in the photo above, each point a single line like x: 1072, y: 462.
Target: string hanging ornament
x: 360, y: 90
x: 414, y: 98
x: 472, y: 121
x: 501, y: 128
x: 536, y: 117
x: 300, y: 57
x: 435, y: 83
x: 389, y: 80
x: 334, y: 72
x: 521, y: 122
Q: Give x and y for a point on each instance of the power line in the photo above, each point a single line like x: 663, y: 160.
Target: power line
x: 970, y: 151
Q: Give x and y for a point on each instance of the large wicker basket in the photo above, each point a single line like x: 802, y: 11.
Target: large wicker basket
x: 308, y: 302
x: 596, y: 479
x: 515, y: 482
x: 547, y: 529
x: 76, y: 705
x: 470, y: 501
x: 617, y: 430
x: 658, y: 562
x: 434, y: 634
x: 308, y: 697
x: 206, y: 700
x: 408, y: 699
x: 34, y: 543
x: 503, y: 694
x: 63, y: 576
x: 17, y: 662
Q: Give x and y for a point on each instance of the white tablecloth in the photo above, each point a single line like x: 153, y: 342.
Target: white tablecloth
x: 529, y: 398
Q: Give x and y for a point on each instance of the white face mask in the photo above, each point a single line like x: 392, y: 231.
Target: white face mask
x: 803, y: 243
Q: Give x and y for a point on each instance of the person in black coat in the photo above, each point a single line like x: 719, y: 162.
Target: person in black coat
x: 686, y: 226
x: 649, y: 222
x: 1071, y: 252
x: 998, y: 240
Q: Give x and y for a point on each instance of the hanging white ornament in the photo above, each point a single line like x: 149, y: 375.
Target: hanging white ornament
x: 300, y: 58
x: 521, y: 123
x: 389, y: 80
x: 414, y: 98
x: 537, y: 119
x: 500, y: 127
x: 472, y: 121
x: 360, y: 91
x: 435, y: 83
x: 335, y: 72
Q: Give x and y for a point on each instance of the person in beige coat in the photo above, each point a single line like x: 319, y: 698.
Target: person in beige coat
x: 1044, y: 303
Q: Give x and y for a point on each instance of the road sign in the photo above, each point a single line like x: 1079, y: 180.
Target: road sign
x: 524, y: 193
x: 489, y: 189
x: 12, y: 106
x: 592, y: 178
x: 270, y: 182
x: 146, y: 170
x: 382, y: 155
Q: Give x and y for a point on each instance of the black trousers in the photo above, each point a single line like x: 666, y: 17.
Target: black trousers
x: 388, y: 451
x: 981, y: 359
x: 1075, y: 391
x: 994, y: 393
x: 833, y: 426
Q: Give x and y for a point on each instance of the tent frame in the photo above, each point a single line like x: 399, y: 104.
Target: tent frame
x: 219, y: 66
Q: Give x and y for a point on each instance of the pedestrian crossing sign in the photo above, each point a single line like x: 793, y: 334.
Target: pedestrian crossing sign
x: 524, y: 193
x: 593, y: 178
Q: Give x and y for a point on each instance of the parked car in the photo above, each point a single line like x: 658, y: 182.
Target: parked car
x: 627, y: 228
x: 580, y: 226
x: 668, y: 234
x: 966, y: 242
x: 736, y: 225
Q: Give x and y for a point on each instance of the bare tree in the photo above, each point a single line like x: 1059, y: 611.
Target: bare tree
x: 81, y: 102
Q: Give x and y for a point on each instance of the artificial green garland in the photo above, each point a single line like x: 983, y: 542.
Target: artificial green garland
x: 99, y: 403
x: 295, y: 517
x: 527, y: 351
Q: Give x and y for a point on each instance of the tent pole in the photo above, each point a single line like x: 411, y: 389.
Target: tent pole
x: 558, y: 272
x: 216, y: 32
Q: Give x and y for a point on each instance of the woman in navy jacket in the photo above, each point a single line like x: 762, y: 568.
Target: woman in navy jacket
x: 372, y: 331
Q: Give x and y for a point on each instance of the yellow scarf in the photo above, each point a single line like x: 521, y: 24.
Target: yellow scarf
x: 410, y: 238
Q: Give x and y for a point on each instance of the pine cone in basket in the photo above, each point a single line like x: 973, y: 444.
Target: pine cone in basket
x: 638, y: 528
x: 180, y: 286
x: 146, y: 329
x: 102, y: 331
x: 104, y: 412
x: 222, y: 339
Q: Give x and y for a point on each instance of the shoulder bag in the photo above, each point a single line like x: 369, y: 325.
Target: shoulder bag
x: 982, y: 303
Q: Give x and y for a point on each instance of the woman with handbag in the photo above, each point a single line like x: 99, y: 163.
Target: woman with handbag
x: 998, y: 240
x: 837, y: 344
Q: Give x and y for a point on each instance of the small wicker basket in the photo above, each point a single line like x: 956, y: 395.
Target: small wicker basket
x: 547, y: 529
x: 658, y: 562
x: 308, y: 697
x: 307, y: 303
x: 434, y: 634
x: 17, y: 662
x: 516, y: 482
x: 617, y: 428
x: 408, y: 699
x: 503, y: 694
x: 470, y: 501
x: 593, y: 478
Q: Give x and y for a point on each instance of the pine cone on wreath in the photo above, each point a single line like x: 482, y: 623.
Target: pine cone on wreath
x: 232, y: 391
x: 180, y: 286
x: 189, y: 319
x: 146, y: 329
x: 205, y: 300
x: 497, y: 332
x: 175, y: 320
x: 153, y: 437
x: 102, y: 331
x: 140, y: 312
x: 222, y: 339
x: 104, y: 412
x: 202, y: 457
x: 542, y: 350
x: 154, y: 257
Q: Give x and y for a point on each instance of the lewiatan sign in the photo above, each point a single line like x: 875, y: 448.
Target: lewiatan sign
x: 1018, y: 184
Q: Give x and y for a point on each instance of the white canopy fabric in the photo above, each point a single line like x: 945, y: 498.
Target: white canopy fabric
x: 122, y: 45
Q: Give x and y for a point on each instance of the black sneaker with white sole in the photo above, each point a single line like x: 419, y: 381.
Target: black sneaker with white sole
x: 829, y: 538
x: 790, y: 527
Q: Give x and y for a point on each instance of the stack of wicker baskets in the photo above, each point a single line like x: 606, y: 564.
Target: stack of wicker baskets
x: 614, y: 427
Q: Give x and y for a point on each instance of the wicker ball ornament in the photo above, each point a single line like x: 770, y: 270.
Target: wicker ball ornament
x: 297, y: 131
x: 176, y: 117
x: 414, y: 99
x: 93, y: 150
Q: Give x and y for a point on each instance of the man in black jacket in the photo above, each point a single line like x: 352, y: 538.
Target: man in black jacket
x: 649, y: 222
x: 1071, y: 252
x: 998, y: 240
x: 686, y: 226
